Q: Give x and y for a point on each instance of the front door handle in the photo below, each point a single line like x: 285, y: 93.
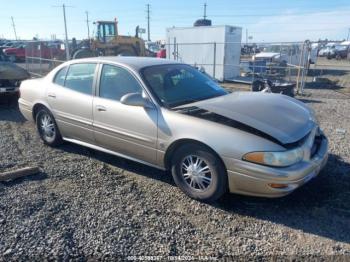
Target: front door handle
x: 51, y: 95
x: 101, y: 108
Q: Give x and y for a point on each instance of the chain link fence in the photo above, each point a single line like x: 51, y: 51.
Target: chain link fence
x: 42, y: 56
x: 292, y: 62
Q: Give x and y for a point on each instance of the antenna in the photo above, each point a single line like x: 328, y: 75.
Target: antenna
x: 205, y: 11
x: 14, y: 27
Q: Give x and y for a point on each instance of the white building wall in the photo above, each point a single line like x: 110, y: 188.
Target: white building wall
x: 196, y: 45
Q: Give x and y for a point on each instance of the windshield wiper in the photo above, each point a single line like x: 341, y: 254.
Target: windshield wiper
x: 183, y: 102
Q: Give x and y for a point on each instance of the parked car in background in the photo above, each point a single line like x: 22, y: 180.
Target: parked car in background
x: 7, y: 44
x: 44, y: 49
x: 11, y: 76
x: 327, y: 50
x: 152, y: 48
x: 171, y: 116
x: 16, y: 53
x: 283, y: 54
x: 340, y: 51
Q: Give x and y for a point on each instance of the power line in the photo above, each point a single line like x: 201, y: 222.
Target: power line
x: 14, y: 27
x: 148, y: 23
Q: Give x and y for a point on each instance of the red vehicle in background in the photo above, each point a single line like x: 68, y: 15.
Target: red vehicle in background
x: 40, y: 49
x: 15, y: 53
x: 162, y: 52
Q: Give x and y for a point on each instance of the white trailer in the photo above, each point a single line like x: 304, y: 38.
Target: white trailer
x: 216, y: 49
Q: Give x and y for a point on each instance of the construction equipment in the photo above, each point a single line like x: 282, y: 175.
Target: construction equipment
x: 109, y: 43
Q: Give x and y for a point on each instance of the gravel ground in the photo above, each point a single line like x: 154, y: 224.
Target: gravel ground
x: 87, y: 204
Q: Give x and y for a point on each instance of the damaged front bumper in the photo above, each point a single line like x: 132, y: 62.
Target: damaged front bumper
x: 255, y: 180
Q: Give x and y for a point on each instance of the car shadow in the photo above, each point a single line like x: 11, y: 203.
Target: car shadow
x: 320, y: 207
x: 323, y: 83
x: 9, y: 110
x: 327, y: 71
x: 119, y: 162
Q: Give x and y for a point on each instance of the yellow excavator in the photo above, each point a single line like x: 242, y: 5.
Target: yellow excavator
x: 108, y: 42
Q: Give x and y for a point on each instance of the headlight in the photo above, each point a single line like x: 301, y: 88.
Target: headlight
x: 279, y: 159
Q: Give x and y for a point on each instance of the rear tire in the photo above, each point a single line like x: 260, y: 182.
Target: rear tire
x: 258, y: 86
x: 47, y: 128
x: 83, y: 53
x: 199, y: 173
x: 126, y: 51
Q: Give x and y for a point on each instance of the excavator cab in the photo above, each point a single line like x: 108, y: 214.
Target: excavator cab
x: 106, y: 31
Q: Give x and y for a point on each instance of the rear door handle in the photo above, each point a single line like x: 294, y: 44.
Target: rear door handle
x: 101, y: 108
x: 51, y: 95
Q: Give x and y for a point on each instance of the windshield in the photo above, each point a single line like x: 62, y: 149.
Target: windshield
x: 176, y: 85
x: 153, y: 47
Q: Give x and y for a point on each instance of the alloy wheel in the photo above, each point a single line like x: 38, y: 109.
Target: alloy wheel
x: 196, y: 172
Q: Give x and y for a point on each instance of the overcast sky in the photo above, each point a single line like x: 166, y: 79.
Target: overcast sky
x: 268, y: 21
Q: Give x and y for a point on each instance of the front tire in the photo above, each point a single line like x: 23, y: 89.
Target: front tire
x: 126, y: 51
x: 47, y: 128
x: 199, y: 173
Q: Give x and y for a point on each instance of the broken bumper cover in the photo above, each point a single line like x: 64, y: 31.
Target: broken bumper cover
x: 251, y: 179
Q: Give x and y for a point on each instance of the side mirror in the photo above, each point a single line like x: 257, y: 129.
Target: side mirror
x: 136, y: 99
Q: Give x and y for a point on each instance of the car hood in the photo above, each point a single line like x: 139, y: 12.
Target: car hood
x: 267, y: 54
x: 281, y: 117
x: 10, y: 49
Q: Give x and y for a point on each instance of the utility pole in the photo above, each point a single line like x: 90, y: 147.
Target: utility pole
x: 148, y: 25
x: 205, y: 11
x: 87, y: 24
x: 65, y: 31
x: 14, y: 27
x: 65, y: 28
x: 348, y: 35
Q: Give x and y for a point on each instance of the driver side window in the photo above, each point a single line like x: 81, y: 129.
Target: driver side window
x: 116, y: 82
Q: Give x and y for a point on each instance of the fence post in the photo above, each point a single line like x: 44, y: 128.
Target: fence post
x: 299, y: 67
x: 177, y: 51
x: 40, y: 53
x: 214, y: 62
x: 169, y: 49
x: 32, y: 55
x: 174, y: 52
x: 26, y: 56
x: 290, y: 50
x: 254, y: 53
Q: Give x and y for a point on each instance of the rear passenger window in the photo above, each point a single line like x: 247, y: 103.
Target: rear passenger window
x: 80, y: 78
x: 61, y: 76
x: 117, y: 82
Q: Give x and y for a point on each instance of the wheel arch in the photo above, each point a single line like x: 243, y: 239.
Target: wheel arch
x: 178, y: 143
x: 37, y: 106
